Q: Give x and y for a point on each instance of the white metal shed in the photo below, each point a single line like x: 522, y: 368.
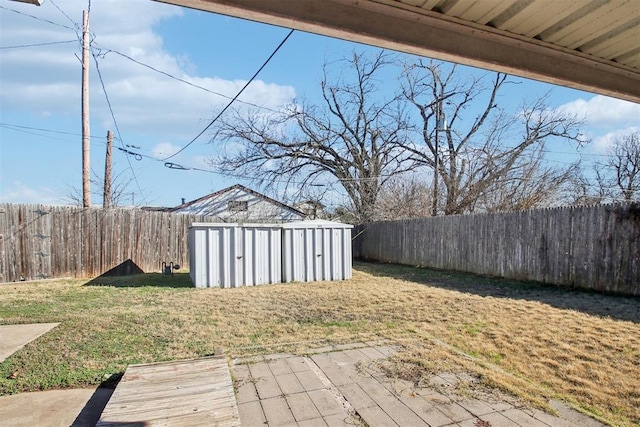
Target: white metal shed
x: 316, y: 250
x: 228, y: 255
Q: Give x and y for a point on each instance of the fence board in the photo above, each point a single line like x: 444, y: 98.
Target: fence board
x: 594, y: 247
x: 39, y: 241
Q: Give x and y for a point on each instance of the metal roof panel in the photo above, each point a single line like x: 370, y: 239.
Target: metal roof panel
x: 585, y: 44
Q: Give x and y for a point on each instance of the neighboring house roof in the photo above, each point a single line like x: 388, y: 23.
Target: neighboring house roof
x: 239, y: 203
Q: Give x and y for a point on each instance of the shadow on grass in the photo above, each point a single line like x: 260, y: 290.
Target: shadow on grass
x: 128, y: 274
x: 178, y: 280
x: 587, y: 301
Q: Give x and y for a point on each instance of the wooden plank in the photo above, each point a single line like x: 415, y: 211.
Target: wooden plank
x: 163, y: 393
x: 196, y: 392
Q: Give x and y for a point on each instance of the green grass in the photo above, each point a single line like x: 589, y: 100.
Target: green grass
x: 103, y: 329
x: 473, y: 329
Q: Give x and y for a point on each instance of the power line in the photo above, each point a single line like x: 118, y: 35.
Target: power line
x: 10, y: 125
x: 37, y: 18
x: 577, y: 153
x: 37, y: 44
x: 170, y: 165
x: 26, y: 129
x: 113, y: 117
x: 139, y: 156
x: 171, y: 76
x: 176, y: 166
x: 234, y: 98
x: 48, y: 137
x: 75, y: 24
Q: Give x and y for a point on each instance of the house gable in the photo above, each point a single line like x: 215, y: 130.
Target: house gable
x: 240, y: 204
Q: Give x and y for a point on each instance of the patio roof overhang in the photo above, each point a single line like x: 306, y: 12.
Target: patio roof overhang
x: 588, y: 45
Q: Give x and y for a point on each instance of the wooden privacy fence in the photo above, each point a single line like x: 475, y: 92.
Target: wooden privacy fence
x: 594, y: 247
x: 40, y: 242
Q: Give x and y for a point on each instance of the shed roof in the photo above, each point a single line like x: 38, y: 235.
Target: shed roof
x: 316, y: 223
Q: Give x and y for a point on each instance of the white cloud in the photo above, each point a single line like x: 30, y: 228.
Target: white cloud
x: 201, y: 162
x: 17, y: 192
x: 164, y: 149
x: 602, y: 143
x: 604, y: 111
x: 46, y: 80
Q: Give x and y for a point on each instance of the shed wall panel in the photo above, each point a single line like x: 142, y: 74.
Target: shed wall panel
x: 315, y: 251
x: 232, y: 255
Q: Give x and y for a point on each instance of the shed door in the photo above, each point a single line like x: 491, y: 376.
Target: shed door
x: 262, y: 254
x: 323, y: 251
x: 223, y: 271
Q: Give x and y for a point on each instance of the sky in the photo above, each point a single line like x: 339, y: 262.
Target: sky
x: 210, y: 57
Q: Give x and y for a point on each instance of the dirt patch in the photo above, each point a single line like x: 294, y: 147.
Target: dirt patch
x: 459, y: 385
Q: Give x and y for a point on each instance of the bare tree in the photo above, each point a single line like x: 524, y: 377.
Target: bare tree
x: 624, y: 160
x: 490, y: 161
x: 404, y: 198
x: 119, y: 189
x: 618, y: 177
x: 530, y: 183
x: 580, y: 191
x: 353, y: 138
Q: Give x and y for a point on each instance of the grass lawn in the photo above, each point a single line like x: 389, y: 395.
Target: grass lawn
x: 534, y: 341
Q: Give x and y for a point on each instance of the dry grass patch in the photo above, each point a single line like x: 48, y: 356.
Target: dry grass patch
x: 533, y: 341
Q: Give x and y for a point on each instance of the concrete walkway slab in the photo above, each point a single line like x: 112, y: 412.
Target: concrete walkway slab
x: 14, y: 337
x: 54, y: 408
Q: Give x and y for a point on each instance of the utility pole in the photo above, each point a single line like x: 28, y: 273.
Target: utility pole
x: 106, y: 198
x: 86, y: 166
x: 434, y: 209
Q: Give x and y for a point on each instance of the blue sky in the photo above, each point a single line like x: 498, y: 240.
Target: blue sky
x: 40, y: 144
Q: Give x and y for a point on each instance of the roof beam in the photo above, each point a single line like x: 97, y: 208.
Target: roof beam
x: 387, y: 24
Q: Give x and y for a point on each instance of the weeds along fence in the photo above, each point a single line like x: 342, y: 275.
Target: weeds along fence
x: 40, y: 242
x: 594, y: 247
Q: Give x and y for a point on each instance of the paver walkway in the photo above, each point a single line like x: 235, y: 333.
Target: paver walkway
x: 343, y: 388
